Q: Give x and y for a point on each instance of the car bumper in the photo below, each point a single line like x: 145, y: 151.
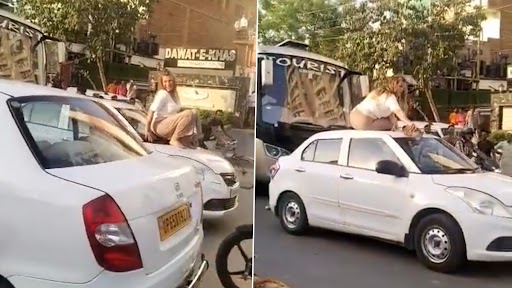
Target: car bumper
x: 217, y: 208
x: 263, y: 163
x: 488, y: 238
x: 185, y: 272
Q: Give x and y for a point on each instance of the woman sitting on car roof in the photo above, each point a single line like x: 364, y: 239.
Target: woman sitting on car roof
x: 165, y: 120
x: 380, y: 109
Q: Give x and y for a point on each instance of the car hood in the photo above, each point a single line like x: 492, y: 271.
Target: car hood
x: 494, y: 184
x: 217, y: 163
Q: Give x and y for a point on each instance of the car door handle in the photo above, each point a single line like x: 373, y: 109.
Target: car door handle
x: 300, y: 170
x: 347, y: 176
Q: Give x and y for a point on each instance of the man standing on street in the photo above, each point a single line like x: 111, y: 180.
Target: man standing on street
x: 486, y: 145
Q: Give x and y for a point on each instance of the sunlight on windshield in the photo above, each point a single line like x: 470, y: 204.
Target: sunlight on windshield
x: 434, y: 156
x: 113, y: 131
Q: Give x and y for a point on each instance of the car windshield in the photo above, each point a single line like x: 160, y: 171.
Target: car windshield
x: 435, y: 156
x: 136, y: 118
x: 69, y: 131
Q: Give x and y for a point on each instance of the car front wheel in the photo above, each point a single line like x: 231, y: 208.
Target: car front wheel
x: 439, y: 243
x: 292, y: 214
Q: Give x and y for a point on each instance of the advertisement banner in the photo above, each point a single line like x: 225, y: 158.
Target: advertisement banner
x: 207, y: 98
x: 201, y: 58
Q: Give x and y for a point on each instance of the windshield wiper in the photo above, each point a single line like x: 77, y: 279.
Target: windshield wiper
x: 306, y: 123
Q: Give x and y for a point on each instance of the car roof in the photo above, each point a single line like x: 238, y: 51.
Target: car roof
x: 91, y: 93
x: 15, y: 88
x: 117, y: 104
x: 359, y: 133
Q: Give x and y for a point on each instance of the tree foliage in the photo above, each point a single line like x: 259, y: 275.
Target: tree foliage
x: 96, y: 23
x: 315, y: 20
x: 373, y: 36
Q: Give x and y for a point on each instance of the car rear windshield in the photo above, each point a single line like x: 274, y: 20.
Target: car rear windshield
x: 70, y: 131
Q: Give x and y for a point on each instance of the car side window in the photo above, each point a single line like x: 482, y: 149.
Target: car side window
x: 364, y: 153
x: 309, y: 152
x: 328, y: 151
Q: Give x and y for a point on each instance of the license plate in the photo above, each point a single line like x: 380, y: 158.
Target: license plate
x: 173, y: 221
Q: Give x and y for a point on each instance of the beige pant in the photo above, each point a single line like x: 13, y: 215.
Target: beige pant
x: 360, y: 121
x: 175, y: 127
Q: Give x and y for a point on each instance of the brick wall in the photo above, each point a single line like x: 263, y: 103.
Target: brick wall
x: 198, y: 23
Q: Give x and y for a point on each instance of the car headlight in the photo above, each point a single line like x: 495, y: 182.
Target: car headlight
x: 481, y: 202
x: 206, y: 173
x: 274, y: 151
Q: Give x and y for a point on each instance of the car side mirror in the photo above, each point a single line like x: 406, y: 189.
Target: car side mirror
x: 393, y: 168
x: 267, y: 73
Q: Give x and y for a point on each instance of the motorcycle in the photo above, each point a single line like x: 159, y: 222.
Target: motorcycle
x: 485, y: 162
x: 226, y: 277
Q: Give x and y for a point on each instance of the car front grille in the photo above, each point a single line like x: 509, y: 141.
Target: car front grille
x: 229, y: 178
x: 220, y: 204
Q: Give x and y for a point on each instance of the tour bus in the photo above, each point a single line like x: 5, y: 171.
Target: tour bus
x: 26, y: 54
x: 300, y: 93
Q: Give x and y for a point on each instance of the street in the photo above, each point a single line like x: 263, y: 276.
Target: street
x: 325, y: 259
x: 216, y: 230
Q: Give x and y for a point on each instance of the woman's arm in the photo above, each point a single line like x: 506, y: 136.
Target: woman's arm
x: 393, y: 105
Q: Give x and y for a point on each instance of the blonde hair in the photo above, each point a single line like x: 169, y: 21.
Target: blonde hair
x: 174, y: 92
x: 390, y: 85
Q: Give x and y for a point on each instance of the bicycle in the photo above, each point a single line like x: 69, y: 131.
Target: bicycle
x: 229, y: 152
x: 241, y: 233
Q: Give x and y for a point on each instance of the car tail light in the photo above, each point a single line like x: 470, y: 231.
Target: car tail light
x: 199, y: 187
x: 273, y: 170
x: 110, y: 236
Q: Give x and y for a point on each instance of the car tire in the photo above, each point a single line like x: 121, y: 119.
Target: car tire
x: 439, y: 243
x: 292, y: 214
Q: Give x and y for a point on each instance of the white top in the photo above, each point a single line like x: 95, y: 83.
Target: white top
x: 378, y: 107
x: 163, y: 105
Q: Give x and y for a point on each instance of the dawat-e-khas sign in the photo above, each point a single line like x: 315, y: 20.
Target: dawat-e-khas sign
x: 201, y: 58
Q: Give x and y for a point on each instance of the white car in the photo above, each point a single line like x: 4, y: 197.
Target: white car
x: 84, y: 204
x: 219, y: 180
x: 418, y: 192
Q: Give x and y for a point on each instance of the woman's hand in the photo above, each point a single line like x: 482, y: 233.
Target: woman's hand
x: 149, y: 136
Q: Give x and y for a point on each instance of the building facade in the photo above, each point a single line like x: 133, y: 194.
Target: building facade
x: 203, y: 25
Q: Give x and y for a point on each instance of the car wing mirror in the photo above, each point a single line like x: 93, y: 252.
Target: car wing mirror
x: 267, y: 73
x: 393, y: 168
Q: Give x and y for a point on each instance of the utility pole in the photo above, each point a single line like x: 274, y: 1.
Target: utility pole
x: 428, y: 90
x: 478, y: 43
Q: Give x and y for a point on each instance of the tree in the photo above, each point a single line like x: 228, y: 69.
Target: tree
x: 316, y: 21
x: 104, y: 22
x: 436, y: 34
x: 407, y: 37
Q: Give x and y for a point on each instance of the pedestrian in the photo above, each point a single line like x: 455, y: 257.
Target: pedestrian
x: 112, y: 87
x: 165, y: 120
x: 380, y: 109
x: 465, y: 143
x: 121, y: 89
x: 504, y: 148
x: 450, y: 136
x: 215, y: 127
x: 461, y: 118
x: 486, y: 145
x: 469, y: 117
x: 131, y: 90
x: 452, y: 119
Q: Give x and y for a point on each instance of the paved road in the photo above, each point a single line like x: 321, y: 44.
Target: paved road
x: 216, y: 230
x: 326, y: 259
